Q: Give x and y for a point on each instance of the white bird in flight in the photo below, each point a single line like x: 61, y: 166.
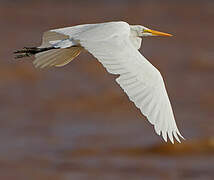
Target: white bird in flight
x: 115, y: 45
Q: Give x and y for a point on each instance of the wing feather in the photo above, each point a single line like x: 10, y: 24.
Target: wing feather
x: 139, y: 79
x: 56, y: 57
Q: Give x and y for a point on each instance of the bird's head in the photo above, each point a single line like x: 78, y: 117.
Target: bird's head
x: 142, y: 31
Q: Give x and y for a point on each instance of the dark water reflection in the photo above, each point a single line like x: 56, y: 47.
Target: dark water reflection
x: 75, y: 123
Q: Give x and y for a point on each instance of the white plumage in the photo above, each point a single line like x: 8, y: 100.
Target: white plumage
x: 115, y: 45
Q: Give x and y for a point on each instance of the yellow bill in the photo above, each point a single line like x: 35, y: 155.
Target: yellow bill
x: 157, y: 33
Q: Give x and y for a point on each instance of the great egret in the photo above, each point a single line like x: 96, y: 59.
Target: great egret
x: 115, y: 45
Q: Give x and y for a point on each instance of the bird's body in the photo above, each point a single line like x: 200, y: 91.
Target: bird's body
x: 115, y: 45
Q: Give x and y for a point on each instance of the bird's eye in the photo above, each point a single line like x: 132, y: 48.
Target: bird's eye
x: 144, y: 30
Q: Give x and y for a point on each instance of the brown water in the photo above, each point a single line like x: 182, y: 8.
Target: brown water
x: 76, y: 123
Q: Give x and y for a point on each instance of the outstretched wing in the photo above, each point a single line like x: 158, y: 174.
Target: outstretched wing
x: 141, y: 81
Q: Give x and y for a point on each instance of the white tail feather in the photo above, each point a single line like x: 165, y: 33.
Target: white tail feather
x: 51, y: 36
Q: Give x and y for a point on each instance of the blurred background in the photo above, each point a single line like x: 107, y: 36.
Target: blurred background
x: 75, y: 122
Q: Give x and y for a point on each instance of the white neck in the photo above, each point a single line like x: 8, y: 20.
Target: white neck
x: 134, y: 38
